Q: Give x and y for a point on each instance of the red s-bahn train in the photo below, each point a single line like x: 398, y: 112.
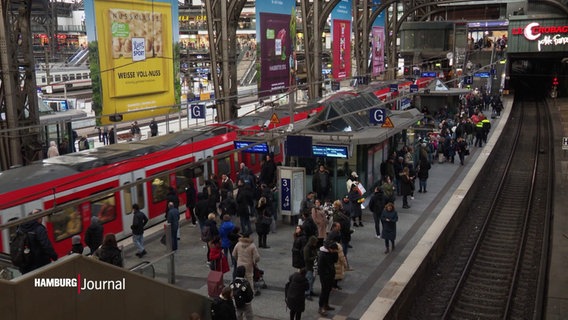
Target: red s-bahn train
x: 141, y: 167
x: 95, y: 174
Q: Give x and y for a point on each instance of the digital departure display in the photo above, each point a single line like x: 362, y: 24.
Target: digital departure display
x: 429, y: 74
x: 482, y: 74
x: 259, y: 148
x: 330, y: 151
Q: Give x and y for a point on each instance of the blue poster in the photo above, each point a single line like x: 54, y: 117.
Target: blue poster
x: 380, y: 20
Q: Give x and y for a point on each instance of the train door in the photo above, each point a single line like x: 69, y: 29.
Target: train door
x: 132, y: 195
x: 14, y: 213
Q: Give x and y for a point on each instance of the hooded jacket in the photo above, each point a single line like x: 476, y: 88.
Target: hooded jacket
x: 246, y: 254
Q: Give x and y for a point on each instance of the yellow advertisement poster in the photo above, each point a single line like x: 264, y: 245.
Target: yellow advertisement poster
x: 136, y: 57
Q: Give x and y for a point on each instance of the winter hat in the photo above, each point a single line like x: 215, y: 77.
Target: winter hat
x: 76, y: 239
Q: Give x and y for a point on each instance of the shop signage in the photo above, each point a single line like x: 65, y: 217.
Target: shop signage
x: 545, y: 35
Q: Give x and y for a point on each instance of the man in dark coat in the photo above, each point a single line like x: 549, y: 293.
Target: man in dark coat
x: 153, y: 128
x: 327, y: 258
x: 223, y: 307
x: 244, y: 205
x: 268, y: 172
x: 41, y: 248
x: 377, y: 205
x: 94, y: 234
x: 139, y: 220
x: 191, y: 199
x: 173, y: 220
x: 294, y: 294
x: 321, y: 183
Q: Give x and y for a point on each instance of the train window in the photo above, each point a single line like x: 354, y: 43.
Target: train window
x: 140, y: 195
x: 66, y: 223
x: 71, y: 76
x: 104, y: 208
x: 181, y: 181
x: 43, y: 79
x: 50, y: 79
x: 160, y: 187
x: 127, y: 194
x: 224, y: 166
x: 65, y: 77
x: 85, y: 76
x: 57, y: 78
x: 78, y: 76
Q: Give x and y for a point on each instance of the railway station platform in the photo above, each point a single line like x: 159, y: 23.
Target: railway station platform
x: 367, y: 291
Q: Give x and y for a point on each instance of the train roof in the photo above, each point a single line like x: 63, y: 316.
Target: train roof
x: 69, y: 164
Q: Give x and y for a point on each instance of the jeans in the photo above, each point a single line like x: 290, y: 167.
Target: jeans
x: 422, y: 184
x: 311, y: 278
x: 138, y: 240
x: 245, y: 224
x: 377, y: 218
x: 245, y: 312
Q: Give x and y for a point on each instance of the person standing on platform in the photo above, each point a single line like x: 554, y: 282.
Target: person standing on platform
x: 389, y: 218
x: 310, y: 256
x: 52, y: 151
x: 300, y: 241
x: 173, y: 220
x: 353, y: 179
x: 355, y: 199
x: 153, y: 128
x: 225, y: 229
x: 327, y: 257
x: 105, y: 135
x: 109, y: 251
x: 462, y: 149
x: 479, y: 132
x: 268, y: 171
x: 190, y: 203
x: 242, y: 294
x: 135, y: 131
x: 244, y: 201
x: 405, y: 186
x: 247, y: 255
x: 76, y: 245
x: 423, y: 169
x: 94, y: 234
x: 377, y: 205
x: 320, y: 219
x: 223, y: 308
x: 294, y: 294
x: 139, y: 220
x: 321, y: 183
x: 172, y: 197
x: 111, y: 136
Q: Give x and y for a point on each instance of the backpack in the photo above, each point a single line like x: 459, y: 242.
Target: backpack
x: 206, y: 234
x: 20, y: 249
x: 242, y: 293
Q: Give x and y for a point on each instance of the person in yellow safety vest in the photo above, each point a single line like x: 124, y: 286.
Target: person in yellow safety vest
x: 486, y: 127
x: 479, y: 134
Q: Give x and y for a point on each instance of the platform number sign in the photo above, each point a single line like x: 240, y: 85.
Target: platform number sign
x: 286, y: 203
x: 377, y: 115
x: 565, y: 143
x: 197, y: 111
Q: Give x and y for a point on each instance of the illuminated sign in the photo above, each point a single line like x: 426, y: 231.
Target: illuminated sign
x: 259, y: 148
x: 546, y: 35
x: 482, y: 74
x: 429, y: 74
x: 330, y: 151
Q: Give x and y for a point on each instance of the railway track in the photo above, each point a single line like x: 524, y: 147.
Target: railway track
x: 494, y: 267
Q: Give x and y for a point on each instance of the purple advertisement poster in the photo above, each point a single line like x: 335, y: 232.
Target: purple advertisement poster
x: 378, y: 56
x: 275, y: 52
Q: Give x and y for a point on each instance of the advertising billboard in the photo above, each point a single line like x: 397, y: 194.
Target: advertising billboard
x: 378, y: 42
x: 275, y: 36
x: 134, y: 40
x: 341, y: 43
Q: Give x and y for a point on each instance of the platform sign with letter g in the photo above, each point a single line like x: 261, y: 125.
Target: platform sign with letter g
x: 197, y: 111
x: 377, y: 115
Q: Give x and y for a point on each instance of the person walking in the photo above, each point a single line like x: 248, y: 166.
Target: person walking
x: 377, y: 205
x: 42, y: 251
x: 139, y: 220
x: 389, y: 218
x: 294, y: 294
x: 462, y: 150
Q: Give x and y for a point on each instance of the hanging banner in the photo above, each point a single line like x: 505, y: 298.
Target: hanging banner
x: 134, y: 41
x: 341, y: 43
x: 378, y: 42
x: 275, y: 36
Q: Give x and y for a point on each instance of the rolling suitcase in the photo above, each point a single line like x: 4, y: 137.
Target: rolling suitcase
x: 214, y: 283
